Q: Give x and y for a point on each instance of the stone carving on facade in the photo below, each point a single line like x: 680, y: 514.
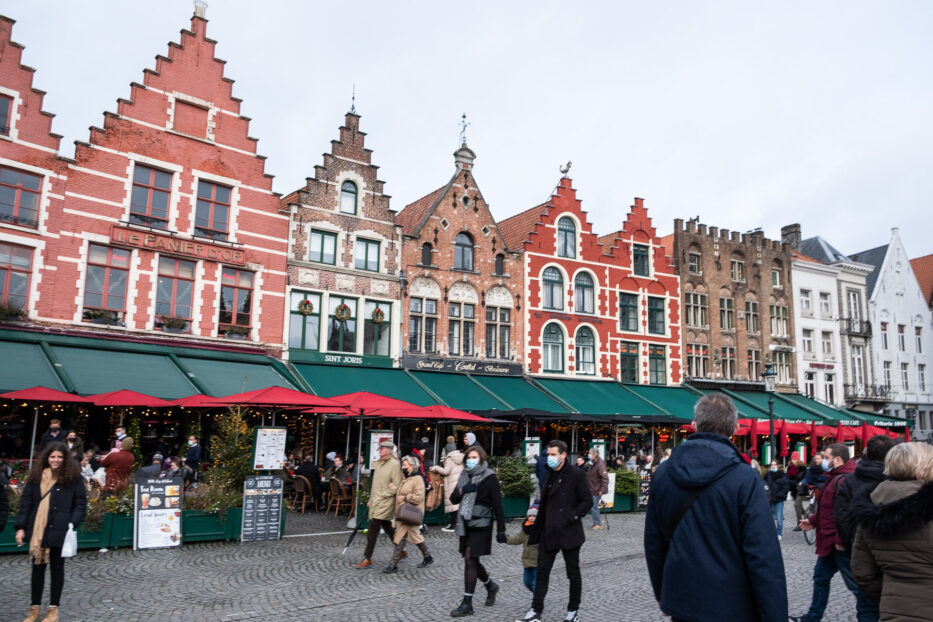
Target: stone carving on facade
x: 423, y: 287
x: 379, y: 287
x: 463, y: 292
x: 499, y: 296
x: 346, y: 283
x: 308, y: 277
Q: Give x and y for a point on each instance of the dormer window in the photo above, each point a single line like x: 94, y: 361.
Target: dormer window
x: 640, y: 260
x: 348, y: 195
x: 566, y: 238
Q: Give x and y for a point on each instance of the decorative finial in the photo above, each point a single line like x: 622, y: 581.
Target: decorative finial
x: 353, y: 100
x: 463, y: 127
x: 566, y: 168
x: 200, y: 8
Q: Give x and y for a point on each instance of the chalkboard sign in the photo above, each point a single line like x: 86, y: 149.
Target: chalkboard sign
x: 157, y: 519
x: 262, y: 508
x: 644, y: 485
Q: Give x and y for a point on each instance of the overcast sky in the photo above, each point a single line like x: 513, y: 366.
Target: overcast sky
x: 747, y: 114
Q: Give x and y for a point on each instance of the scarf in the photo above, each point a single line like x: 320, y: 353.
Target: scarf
x: 474, y: 476
x: 40, y: 555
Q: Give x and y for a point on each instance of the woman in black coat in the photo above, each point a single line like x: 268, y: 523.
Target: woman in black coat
x: 480, y: 498
x: 53, y: 497
x: 777, y: 485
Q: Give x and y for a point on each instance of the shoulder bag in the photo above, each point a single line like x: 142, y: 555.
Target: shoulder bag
x: 409, y: 514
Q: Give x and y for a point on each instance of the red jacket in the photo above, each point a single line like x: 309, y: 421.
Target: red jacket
x: 825, y: 518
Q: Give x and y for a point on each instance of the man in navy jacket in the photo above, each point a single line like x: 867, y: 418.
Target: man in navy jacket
x: 725, y: 537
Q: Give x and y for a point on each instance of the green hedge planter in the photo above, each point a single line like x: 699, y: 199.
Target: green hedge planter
x: 86, y: 539
x: 515, y: 507
x: 121, y: 530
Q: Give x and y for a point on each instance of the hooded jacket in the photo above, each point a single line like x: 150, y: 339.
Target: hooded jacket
x: 853, y: 498
x: 824, y: 521
x: 893, y: 550
x: 726, y: 538
x: 451, y: 469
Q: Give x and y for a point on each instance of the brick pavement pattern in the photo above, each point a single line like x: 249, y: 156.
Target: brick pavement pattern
x: 307, y: 579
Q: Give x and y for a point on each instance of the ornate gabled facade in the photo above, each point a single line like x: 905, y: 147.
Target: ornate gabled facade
x: 596, y: 307
x: 343, y: 260
x: 464, y: 283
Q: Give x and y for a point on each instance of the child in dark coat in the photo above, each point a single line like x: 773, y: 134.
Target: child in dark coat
x: 529, y: 551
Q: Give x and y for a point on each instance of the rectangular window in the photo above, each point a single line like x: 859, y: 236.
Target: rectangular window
x: 174, y: 293
x: 905, y: 376
x: 304, y: 322
x: 887, y: 374
x: 697, y: 360
x: 776, y: 278
x: 728, y: 363
x: 855, y: 305
x: 640, y: 263
x: 212, y: 218
x: 6, y: 107
x: 737, y: 270
x: 105, y: 284
x: 657, y: 365
x: 858, y: 365
x: 498, y: 332
x: 778, y: 320
x: 829, y: 388
x: 15, y: 270
x: 696, y: 309
x: 19, y: 197
x: 694, y: 263
x: 922, y: 376
x: 809, y: 384
x: 377, y: 328
x: 901, y: 338
x: 884, y: 335
x: 751, y: 317
x: 323, y: 247
x: 628, y: 312
x: 918, y: 337
x: 726, y: 314
x: 826, y: 306
x: 367, y: 255
x: 422, y: 325
x: 808, y: 341
x: 782, y: 366
x: 149, y: 197
x: 806, y: 302
x: 341, y: 324
x: 826, y: 341
x: 754, y: 364
x: 655, y: 315
x: 236, y: 302
x: 460, y: 329
x: 628, y: 361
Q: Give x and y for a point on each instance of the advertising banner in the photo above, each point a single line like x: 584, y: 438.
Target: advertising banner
x: 262, y: 508
x: 157, y: 516
x: 376, y: 437
x: 269, y: 448
x: 608, y: 500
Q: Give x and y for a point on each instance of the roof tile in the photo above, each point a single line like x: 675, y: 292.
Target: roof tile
x: 923, y: 269
x: 412, y: 214
x: 517, y: 229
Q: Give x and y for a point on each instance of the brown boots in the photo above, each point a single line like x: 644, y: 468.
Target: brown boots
x: 51, y: 615
x: 34, y: 612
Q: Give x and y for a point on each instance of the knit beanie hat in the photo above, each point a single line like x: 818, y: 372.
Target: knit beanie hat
x: 532, y: 510
x: 331, y: 455
x: 470, y: 438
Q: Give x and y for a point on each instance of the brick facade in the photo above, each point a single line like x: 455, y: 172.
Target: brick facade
x: 738, y: 304
x: 340, y: 214
x: 576, y: 282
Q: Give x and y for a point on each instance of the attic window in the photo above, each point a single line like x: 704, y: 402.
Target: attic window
x: 444, y: 223
x: 485, y: 230
x: 6, y: 107
x: 190, y: 119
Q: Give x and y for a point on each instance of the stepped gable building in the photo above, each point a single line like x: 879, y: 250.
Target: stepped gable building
x: 901, y: 323
x: 596, y: 307
x: 923, y: 270
x: 343, y: 260
x: 738, y: 305
x: 834, y: 348
x: 464, y: 285
x: 32, y: 187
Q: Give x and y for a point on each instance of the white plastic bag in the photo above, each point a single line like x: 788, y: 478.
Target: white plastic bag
x: 70, y: 546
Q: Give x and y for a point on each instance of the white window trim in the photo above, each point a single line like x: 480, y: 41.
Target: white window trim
x: 233, y: 216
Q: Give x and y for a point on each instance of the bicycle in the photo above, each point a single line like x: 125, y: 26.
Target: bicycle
x: 809, y: 511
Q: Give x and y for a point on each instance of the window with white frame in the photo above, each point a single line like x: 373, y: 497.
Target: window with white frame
x: 695, y: 309
x: 922, y: 376
x: 377, y: 327
x: 552, y: 349
x: 776, y: 281
x: 641, y: 264
x: 726, y: 314
x: 697, y: 360
x: 886, y: 373
x: 566, y: 238
x: 902, y: 338
x: 829, y: 388
x: 304, y: 321
x: 826, y: 305
x: 806, y: 302
x: 728, y: 362
x: 19, y: 197
x: 751, y: 316
x: 463, y: 251
x: 918, y: 337
x: 348, y: 195
x: 778, y: 320
x: 460, y: 329
x: 15, y: 273
x: 809, y: 384
x: 693, y: 263
x: 552, y: 286
x: 341, y: 324
x: 323, y: 247
x: 884, y: 335
x: 782, y: 366
x: 6, y: 108
x: 737, y: 270
x: 754, y: 363
x: 583, y: 294
x: 657, y: 365
x: 628, y: 361
x: 807, y: 341
x: 628, y: 312
x: 366, y: 255
x: 656, y: 323
x: 585, y: 346
x: 150, y: 196
x: 905, y: 376
x: 826, y: 341
x: 212, y: 213
x: 498, y: 332
x: 858, y: 365
x: 422, y: 325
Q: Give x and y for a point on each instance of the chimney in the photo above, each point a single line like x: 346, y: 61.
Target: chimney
x: 790, y: 235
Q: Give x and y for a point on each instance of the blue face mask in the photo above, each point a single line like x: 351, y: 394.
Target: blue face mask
x: 826, y: 466
x: 471, y: 463
x: 774, y: 469
x: 553, y: 461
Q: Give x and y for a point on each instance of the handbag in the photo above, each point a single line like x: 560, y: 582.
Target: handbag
x: 409, y: 514
x: 70, y: 546
x: 482, y: 517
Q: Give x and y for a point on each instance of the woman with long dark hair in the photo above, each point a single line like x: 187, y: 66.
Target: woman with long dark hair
x: 479, y: 497
x: 53, y: 497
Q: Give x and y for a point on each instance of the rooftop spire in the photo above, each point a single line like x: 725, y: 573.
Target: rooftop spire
x: 353, y: 100
x: 463, y: 128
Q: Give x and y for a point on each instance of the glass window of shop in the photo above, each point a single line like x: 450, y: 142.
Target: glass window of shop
x: 341, y: 324
x: 377, y: 329
x: 304, y: 322
x: 628, y: 361
x: 105, y: 284
x: 657, y: 365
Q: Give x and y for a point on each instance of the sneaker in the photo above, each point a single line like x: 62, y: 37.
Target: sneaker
x: 104, y: 550
x: 595, y: 527
x: 531, y: 616
x: 798, y: 528
x: 572, y: 617
x: 449, y: 529
x: 780, y: 537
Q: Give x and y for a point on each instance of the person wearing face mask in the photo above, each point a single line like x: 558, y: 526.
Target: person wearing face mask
x: 410, y: 491
x: 597, y: 478
x: 75, y: 445
x: 193, y: 456
x: 814, y: 477
x: 777, y: 486
x: 55, y: 434
x: 119, y: 433
x: 387, y: 476
x: 831, y: 554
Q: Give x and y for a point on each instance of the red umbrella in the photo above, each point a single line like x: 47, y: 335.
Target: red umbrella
x: 360, y: 402
x: 436, y: 411
x: 906, y: 434
x: 789, y: 427
x: 274, y: 397
x: 814, y: 438
x: 198, y: 400
x: 865, y: 433
x: 42, y: 394
x: 125, y: 397
x: 753, y: 435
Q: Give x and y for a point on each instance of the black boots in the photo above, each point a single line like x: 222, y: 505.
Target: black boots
x: 426, y: 555
x: 391, y: 568
x: 465, y: 608
x: 491, y: 589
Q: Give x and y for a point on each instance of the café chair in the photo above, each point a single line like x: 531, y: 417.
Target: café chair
x: 339, y: 498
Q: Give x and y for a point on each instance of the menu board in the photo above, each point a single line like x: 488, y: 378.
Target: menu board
x: 376, y: 437
x: 262, y: 508
x: 607, y: 501
x: 269, y: 449
x: 157, y: 519
x: 644, y: 486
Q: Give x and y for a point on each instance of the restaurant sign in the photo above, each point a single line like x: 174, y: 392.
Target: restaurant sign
x: 458, y: 366
x: 172, y: 245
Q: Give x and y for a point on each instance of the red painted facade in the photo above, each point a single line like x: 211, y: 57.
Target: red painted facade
x: 578, y: 284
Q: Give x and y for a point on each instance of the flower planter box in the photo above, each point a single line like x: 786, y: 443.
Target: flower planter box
x: 621, y: 503
x: 201, y: 526
x: 86, y: 539
x: 121, y: 530
x: 515, y: 507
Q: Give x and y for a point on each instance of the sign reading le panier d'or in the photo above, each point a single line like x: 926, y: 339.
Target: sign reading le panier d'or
x: 172, y: 245
x: 262, y: 508
x: 157, y: 520
x: 472, y: 366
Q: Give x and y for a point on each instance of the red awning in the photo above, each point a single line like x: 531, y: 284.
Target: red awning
x: 789, y: 427
x: 44, y: 394
x: 435, y: 412
x: 125, y: 397
x: 280, y: 397
x: 198, y: 400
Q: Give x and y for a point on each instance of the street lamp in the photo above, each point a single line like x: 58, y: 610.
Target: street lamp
x: 769, y: 376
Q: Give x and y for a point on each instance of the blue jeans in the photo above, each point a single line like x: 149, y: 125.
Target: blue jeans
x: 595, y: 511
x: 823, y: 573
x: 777, y: 510
x: 530, y: 578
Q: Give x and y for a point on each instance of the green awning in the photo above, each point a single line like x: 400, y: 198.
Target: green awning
x: 26, y: 366
x: 330, y: 380
x: 784, y: 410
x: 519, y: 393
x: 675, y: 401
x: 224, y: 377
x: 882, y: 421
x: 457, y: 391
x: 593, y: 397
x: 99, y: 370
x: 833, y: 416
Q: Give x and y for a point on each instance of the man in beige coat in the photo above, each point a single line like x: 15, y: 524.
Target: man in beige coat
x: 451, y: 469
x: 387, y: 475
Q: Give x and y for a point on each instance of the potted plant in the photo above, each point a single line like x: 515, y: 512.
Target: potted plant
x: 240, y: 333
x: 174, y: 324
x: 11, y: 313
x: 102, y: 316
x: 515, y: 479
x: 626, y: 490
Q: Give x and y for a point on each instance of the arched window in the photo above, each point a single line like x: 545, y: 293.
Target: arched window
x: 426, y: 254
x: 552, y: 285
x: 553, y: 348
x: 463, y: 253
x: 348, y: 197
x: 583, y: 298
x: 566, y: 238
x: 500, y: 264
x: 585, y: 344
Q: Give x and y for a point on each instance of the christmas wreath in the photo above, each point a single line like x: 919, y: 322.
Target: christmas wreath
x: 306, y: 307
x: 342, y: 313
x: 378, y: 316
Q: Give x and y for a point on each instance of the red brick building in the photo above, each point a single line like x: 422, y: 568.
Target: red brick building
x: 604, y: 307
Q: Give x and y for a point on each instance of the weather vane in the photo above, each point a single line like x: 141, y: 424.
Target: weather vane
x: 463, y: 127
x: 566, y: 168
x: 353, y: 100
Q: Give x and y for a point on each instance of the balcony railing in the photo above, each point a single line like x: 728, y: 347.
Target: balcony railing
x: 859, y: 328
x: 867, y: 392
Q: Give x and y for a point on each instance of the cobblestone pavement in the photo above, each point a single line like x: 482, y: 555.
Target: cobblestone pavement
x: 307, y: 579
